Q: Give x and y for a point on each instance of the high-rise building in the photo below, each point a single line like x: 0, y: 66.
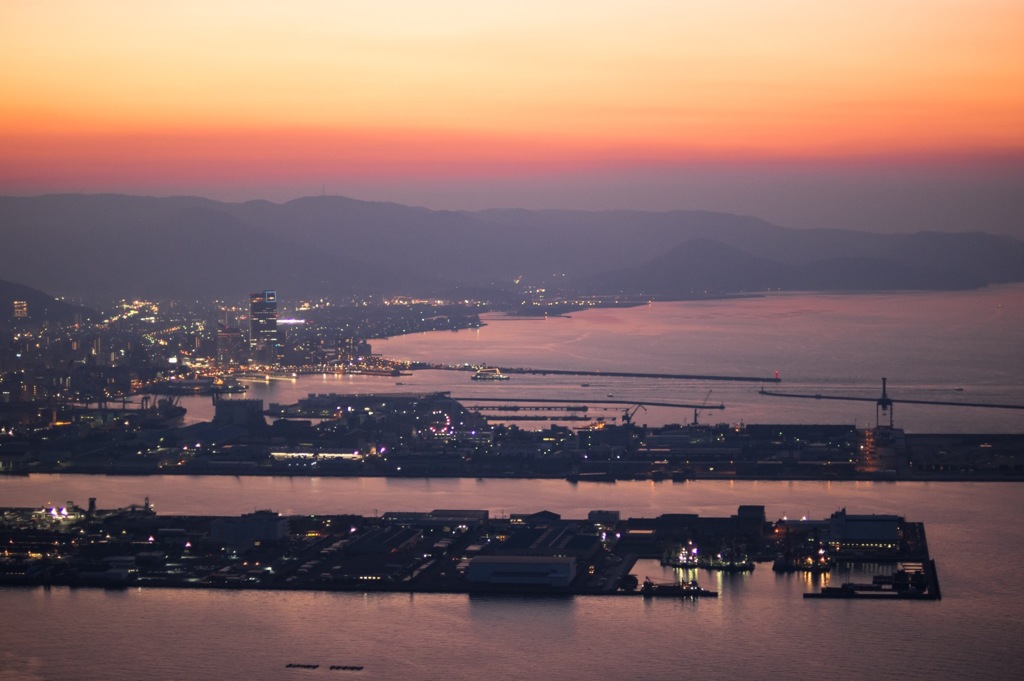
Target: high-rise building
x: 230, y: 346
x: 263, y: 337
x: 20, y: 309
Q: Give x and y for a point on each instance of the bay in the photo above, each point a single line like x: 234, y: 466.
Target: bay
x: 962, y: 346
x: 759, y: 627
x: 927, y: 344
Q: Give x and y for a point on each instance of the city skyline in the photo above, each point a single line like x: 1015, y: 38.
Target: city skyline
x: 894, y: 117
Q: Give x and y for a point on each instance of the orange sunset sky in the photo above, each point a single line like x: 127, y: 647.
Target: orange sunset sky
x: 902, y: 114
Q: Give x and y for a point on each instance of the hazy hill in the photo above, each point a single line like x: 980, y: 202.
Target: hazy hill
x: 105, y: 246
x: 40, y: 306
x: 705, y: 266
x: 109, y: 246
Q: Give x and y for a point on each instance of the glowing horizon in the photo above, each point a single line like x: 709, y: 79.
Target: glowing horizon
x: 114, y: 95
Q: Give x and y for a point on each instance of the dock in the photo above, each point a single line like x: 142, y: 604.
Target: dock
x: 912, y: 581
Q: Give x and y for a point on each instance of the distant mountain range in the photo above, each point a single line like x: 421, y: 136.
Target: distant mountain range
x: 100, y: 247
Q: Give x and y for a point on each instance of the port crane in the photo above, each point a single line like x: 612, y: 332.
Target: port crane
x: 884, y: 404
x: 704, y: 404
x: 627, y: 416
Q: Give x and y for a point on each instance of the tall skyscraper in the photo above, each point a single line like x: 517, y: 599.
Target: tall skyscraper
x: 230, y: 346
x: 263, y: 337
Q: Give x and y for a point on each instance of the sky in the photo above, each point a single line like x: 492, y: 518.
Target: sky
x: 885, y: 115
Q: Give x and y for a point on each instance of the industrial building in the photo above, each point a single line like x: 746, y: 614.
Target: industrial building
x: 540, y: 571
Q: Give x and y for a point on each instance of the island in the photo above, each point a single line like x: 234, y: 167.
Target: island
x: 446, y: 550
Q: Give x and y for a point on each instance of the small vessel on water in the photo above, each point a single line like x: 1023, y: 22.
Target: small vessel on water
x: 207, y: 385
x: 685, y: 590
x: 489, y: 374
x: 681, y: 556
x: 815, y: 563
x: 688, y: 557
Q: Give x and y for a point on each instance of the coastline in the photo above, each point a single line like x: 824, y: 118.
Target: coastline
x: 249, y: 471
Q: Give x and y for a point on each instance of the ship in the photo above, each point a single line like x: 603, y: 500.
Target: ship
x: 688, y: 557
x: 681, y: 557
x: 489, y: 374
x: 684, y: 590
x: 815, y: 564
x: 165, y: 413
x: 198, y: 386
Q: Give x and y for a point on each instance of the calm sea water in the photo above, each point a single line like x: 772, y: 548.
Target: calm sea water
x: 926, y: 344
x: 760, y: 627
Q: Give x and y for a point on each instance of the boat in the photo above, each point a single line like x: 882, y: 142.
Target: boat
x: 688, y: 557
x: 369, y: 371
x: 198, y: 386
x: 688, y: 589
x: 727, y: 561
x: 229, y: 385
x: 489, y: 374
x: 681, y: 557
x: 165, y: 413
x: 813, y: 563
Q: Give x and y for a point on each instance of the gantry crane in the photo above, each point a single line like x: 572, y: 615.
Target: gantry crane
x: 627, y: 416
x: 703, y: 404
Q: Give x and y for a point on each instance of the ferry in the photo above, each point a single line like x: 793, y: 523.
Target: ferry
x: 489, y: 374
